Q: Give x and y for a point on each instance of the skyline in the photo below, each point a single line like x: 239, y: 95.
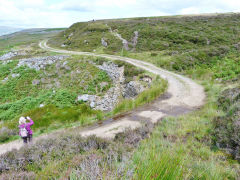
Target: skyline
x: 60, y: 13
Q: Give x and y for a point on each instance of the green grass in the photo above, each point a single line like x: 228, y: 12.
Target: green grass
x: 181, y: 148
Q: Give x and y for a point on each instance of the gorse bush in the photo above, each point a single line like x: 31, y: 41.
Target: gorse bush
x: 6, y: 133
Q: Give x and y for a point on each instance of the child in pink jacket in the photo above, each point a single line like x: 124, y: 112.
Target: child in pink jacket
x: 25, y: 129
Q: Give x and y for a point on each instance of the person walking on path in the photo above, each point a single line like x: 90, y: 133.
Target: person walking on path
x: 25, y: 129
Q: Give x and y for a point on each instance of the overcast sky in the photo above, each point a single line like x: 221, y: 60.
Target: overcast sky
x: 63, y: 13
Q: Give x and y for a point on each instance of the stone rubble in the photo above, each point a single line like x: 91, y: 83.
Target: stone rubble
x: 112, y: 96
x: 125, y: 42
x: 40, y: 62
x: 15, y: 75
x: 106, y: 102
x: 104, y: 43
x: 132, y: 89
x: 113, y: 71
x: 12, y: 54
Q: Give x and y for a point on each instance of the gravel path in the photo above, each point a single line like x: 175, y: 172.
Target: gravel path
x: 183, y: 95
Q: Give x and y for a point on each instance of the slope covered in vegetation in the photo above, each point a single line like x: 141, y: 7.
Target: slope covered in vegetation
x: 205, y: 48
x: 176, y: 43
x: 200, y: 145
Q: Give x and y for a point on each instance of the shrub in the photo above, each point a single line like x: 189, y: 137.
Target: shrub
x: 226, y: 133
x: 6, y: 133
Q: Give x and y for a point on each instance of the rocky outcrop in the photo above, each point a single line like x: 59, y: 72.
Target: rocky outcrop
x: 113, y: 71
x: 12, y: 54
x: 104, y: 43
x: 119, y: 89
x: 135, y: 39
x: 111, y: 97
x: 125, y: 42
x: 132, y: 89
x: 40, y: 62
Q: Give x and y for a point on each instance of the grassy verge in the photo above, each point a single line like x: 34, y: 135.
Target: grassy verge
x: 181, y: 148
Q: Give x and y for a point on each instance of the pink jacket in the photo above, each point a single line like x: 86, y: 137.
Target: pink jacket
x: 28, y: 127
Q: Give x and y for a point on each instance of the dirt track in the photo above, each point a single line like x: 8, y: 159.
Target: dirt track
x: 183, y: 95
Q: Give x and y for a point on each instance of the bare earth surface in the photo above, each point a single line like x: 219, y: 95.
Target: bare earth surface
x: 183, y: 95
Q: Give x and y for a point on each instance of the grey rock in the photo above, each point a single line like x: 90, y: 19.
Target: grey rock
x: 92, y: 104
x: 6, y: 62
x: 113, y: 71
x: 83, y: 97
x: 8, y: 56
x: 40, y: 62
x: 5, y: 79
x: 132, y: 89
x: 104, y: 43
x: 15, y: 75
x: 57, y: 84
x: 208, y: 41
x: 70, y: 35
x: 146, y: 79
x: 43, y: 80
x: 35, y: 82
x: 68, y: 68
x: 12, y: 54
x: 135, y: 39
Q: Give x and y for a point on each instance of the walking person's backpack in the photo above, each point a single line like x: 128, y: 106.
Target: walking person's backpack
x: 23, y: 132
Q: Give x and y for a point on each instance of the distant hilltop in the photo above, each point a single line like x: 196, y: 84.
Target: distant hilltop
x: 8, y: 30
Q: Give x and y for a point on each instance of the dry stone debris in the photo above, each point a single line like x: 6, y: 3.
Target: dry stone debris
x: 40, y: 62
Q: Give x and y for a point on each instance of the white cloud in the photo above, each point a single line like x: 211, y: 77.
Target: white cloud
x: 190, y: 10
x: 62, y: 13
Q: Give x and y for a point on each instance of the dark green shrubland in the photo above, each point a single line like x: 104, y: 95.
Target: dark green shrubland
x: 226, y: 131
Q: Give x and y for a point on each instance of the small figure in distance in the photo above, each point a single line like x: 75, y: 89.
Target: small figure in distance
x: 25, y: 129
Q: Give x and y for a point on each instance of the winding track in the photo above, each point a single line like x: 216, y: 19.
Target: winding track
x: 183, y: 95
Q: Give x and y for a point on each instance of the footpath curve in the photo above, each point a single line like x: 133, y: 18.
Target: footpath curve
x: 183, y: 95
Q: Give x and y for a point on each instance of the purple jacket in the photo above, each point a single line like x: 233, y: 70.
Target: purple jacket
x: 28, y: 127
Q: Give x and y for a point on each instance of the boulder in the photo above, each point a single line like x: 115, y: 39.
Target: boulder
x: 92, y: 104
x: 104, y: 43
x: 35, y: 82
x: 83, y: 97
x: 132, y: 89
x: 15, y: 75
x: 8, y: 56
